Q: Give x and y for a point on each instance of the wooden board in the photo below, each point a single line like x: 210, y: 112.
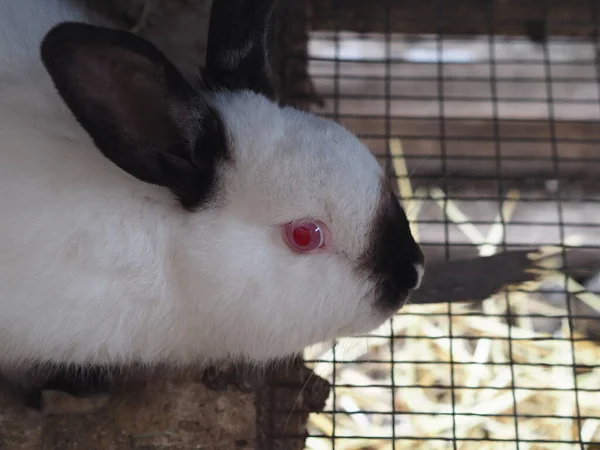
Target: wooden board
x: 459, y: 17
x: 476, y: 279
x: 467, y: 147
x: 512, y: 117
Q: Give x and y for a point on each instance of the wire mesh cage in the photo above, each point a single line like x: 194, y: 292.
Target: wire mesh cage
x: 486, y: 116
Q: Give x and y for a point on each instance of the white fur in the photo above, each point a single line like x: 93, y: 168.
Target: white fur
x: 420, y: 269
x: 96, y: 266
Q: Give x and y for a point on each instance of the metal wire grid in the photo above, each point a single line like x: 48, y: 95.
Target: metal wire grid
x: 477, y: 118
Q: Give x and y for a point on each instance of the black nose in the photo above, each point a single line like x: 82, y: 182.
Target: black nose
x: 420, y: 255
x: 396, y: 260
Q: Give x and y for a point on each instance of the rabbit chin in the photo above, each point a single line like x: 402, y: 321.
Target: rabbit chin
x: 364, y: 327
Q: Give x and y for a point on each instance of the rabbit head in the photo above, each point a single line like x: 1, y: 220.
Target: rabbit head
x: 286, y: 233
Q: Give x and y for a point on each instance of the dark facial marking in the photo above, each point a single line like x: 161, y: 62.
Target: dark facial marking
x: 393, y: 255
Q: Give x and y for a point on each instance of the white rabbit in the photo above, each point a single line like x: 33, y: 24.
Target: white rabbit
x: 146, y: 221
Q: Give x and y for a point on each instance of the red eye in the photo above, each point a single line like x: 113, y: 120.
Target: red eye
x: 305, y: 236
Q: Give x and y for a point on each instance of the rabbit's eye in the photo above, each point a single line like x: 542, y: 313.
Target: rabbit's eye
x: 305, y: 236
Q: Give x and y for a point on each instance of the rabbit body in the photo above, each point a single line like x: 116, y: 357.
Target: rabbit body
x: 99, y: 267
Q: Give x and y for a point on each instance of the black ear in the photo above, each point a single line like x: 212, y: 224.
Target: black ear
x: 137, y: 107
x: 240, y: 40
